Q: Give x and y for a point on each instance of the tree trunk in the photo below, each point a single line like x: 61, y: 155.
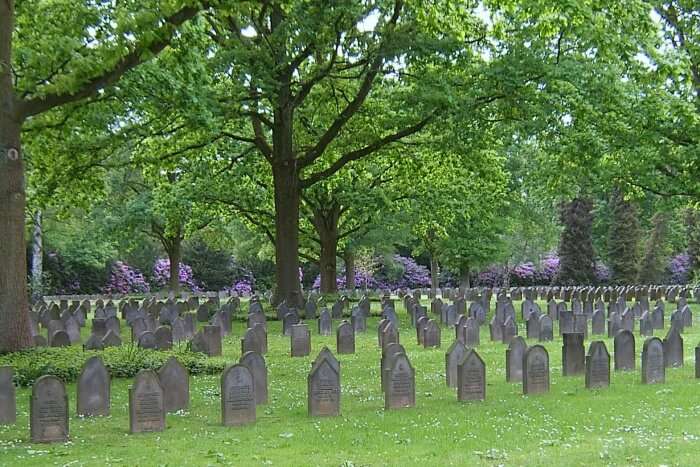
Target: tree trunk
x: 328, y: 262
x: 288, y: 286
x: 37, y: 257
x: 175, y: 256
x: 14, y: 306
x: 349, y: 258
x: 434, y: 275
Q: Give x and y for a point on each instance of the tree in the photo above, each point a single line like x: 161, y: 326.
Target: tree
x: 623, y: 239
x: 576, y: 255
x: 652, y: 268
x: 100, y: 43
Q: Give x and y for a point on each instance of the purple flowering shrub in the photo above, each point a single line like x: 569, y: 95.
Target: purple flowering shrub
x: 524, y: 274
x: 398, y: 273
x: 492, y: 276
x: 602, y: 272
x: 528, y: 274
x: 242, y: 287
x: 161, y: 275
x: 124, y: 279
x: 679, y: 269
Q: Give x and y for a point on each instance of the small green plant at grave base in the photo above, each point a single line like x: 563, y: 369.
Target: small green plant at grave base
x: 625, y: 424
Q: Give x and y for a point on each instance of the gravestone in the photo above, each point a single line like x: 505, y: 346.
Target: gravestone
x: 532, y: 328
x: 111, y: 340
x: 337, y: 310
x: 345, y: 338
x: 546, y: 329
x: 673, y: 349
x: 147, y: 340
x: 323, y: 386
x: 421, y: 322
x: 471, y: 338
x: 573, y: 354
x: 251, y: 342
x: 175, y: 381
x: 8, y: 401
x: 48, y: 411
x: 653, y: 363
x: 431, y: 334
x: 389, y: 334
x: 400, y: 391
x: 310, y: 309
x: 535, y: 370
x: 179, y: 330
x: 566, y: 322
x: 94, y: 387
x: 237, y: 396
x: 510, y: 330
x: 256, y: 364
x: 581, y: 324
x: 657, y: 317
x: 514, y: 359
x: 471, y: 376
x: 325, y: 323
x: 262, y: 337
x: 300, y: 340
x: 597, y: 366
x: 60, y: 339
x: 113, y: 324
x: 289, y: 320
x: 359, y: 322
x: 387, y: 360
x: 164, y: 338
x: 453, y: 357
x: 496, y: 329
x: 614, y: 324
x: 146, y: 409
x: 94, y: 342
x: 598, y: 322
x: 208, y: 341
x: 624, y: 348
x: 72, y: 328
x: 646, y: 327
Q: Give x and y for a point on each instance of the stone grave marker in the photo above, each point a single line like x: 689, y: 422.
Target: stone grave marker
x: 300, y: 340
x: 345, y: 338
x: 597, y: 366
x: 510, y: 330
x: 256, y: 364
x: 323, y: 386
x: 111, y: 340
x: 673, y: 349
x: 8, y: 401
x: 94, y: 388
x: 431, y: 334
x: 535, y: 370
x: 472, y: 338
x: 48, y: 411
x: 400, y: 390
x: 573, y: 354
x: 164, y: 338
x: 453, y: 357
x: 471, y: 378
x: 653, y: 362
x: 237, y: 396
x: 624, y: 348
x: 147, y: 340
x: 546, y: 329
x: 146, y: 409
x: 325, y: 323
x: 60, y: 339
x: 514, y: 359
x: 175, y: 381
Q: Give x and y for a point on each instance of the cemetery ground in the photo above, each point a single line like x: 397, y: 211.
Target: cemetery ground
x: 625, y: 424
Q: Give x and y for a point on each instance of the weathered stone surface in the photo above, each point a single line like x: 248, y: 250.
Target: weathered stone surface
x: 94, y: 389
x: 471, y: 385
x: 175, y: 381
x: 300, y: 340
x: 546, y: 329
x: 453, y: 357
x: 164, y: 338
x: 535, y: 370
x: 345, y: 338
x: 573, y: 354
x: 8, y: 401
x: 256, y: 364
x: 653, y: 363
x: 146, y: 403
x: 48, y: 411
x: 324, y: 388
x: 514, y: 359
x: 237, y: 396
x: 597, y: 366
x: 673, y: 349
x: 400, y: 390
x: 624, y: 348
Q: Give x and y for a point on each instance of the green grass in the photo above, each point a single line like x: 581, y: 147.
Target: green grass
x: 626, y: 424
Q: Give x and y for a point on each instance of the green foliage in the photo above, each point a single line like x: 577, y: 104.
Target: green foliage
x: 122, y: 362
x: 576, y: 254
x: 623, y: 240
x: 652, y: 268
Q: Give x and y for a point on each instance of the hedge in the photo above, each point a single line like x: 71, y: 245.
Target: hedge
x: 122, y: 362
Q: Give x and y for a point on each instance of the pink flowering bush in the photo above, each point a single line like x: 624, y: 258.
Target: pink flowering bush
x: 161, y: 275
x: 124, y: 279
x: 679, y: 269
x: 400, y: 272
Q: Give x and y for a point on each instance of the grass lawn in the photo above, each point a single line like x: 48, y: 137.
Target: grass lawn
x: 626, y: 424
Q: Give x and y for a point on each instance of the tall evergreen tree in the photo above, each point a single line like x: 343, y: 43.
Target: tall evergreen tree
x: 693, y: 233
x: 623, y: 239
x: 576, y: 254
x: 651, y: 270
